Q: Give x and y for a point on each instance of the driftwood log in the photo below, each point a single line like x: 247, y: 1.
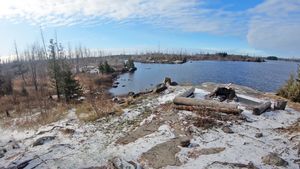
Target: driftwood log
x: 203, y: 108
x: 207, y: 104
x: 260, y: 109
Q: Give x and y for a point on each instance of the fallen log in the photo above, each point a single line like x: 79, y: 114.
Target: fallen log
x: 260, y: 109
x: 210, y: 104
x: 188, y: 92
x: 203, y: 108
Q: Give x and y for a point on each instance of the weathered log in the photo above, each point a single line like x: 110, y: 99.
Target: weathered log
x: 188, y: 92
x: 280, y: 105
x: 203, y: 108
x: 205, y: 103
x: 260, y: 109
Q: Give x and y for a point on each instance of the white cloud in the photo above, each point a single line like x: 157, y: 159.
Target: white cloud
x: 275, y: 26
x: 184, y: 15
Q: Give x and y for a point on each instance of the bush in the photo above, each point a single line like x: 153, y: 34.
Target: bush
x: 6, y: 86
x: 24, y: 92
x: 105, y: 68
x: 71, y: 87
x: 291, y: 89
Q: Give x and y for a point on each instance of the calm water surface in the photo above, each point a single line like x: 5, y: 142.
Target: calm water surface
x: 266, y: 76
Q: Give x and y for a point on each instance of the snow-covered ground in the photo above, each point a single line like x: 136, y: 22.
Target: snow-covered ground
x: 74, y: 144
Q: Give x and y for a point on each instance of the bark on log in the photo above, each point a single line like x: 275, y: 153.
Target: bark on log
x: 188, y: 92
x: 280, y: 105
x: 258, y: 110
x: 204, y: 103
x: 203, y: 108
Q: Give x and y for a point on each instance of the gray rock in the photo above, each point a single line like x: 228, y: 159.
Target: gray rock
x: 131, y: 93
x: 274, y: 159
x: 227, y: 129
x: 43, y: 140
x: 160, y: 87
x: 185, y: 143
x: 258, y: 135
x: 119, y: 163
x: 2, y: 152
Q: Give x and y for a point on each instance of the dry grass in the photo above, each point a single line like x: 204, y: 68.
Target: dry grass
x: 91, y: 111
x: 294, y: 128
x: 206, y: 123
x: 37, y: 109
x: 35, y: 118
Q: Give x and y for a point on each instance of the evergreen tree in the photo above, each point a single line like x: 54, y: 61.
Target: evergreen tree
x: 105, y: 68
x: 6, y: 85
x: 61, y: 75
x: 130, y: 64
x: 71, y: 87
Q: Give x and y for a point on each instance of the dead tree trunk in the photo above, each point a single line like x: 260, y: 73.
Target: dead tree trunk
x: 258, y: 110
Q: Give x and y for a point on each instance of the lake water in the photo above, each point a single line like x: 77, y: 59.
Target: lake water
x: 266, y: 76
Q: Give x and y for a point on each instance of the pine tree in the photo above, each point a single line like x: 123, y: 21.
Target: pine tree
x: 6, y: 85
x: 130, y: 64
x: 71, y: 87
x: 105, y: 68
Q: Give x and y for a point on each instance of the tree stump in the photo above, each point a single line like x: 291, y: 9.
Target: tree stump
x: 223, y: 93
x: 280, y: 105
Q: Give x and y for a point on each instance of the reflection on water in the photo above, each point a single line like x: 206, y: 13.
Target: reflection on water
x: 266, y: 76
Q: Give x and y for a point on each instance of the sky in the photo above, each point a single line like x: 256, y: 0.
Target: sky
x: 253, y: 27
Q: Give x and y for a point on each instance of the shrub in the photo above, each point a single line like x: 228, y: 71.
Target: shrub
x: 24, y: 92
x: 71, y: 87
x: 105, y: 68
x: 291, y: 89
x: 6, y: 86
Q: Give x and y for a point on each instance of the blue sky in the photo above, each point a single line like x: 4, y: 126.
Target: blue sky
x: 254, y: 27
